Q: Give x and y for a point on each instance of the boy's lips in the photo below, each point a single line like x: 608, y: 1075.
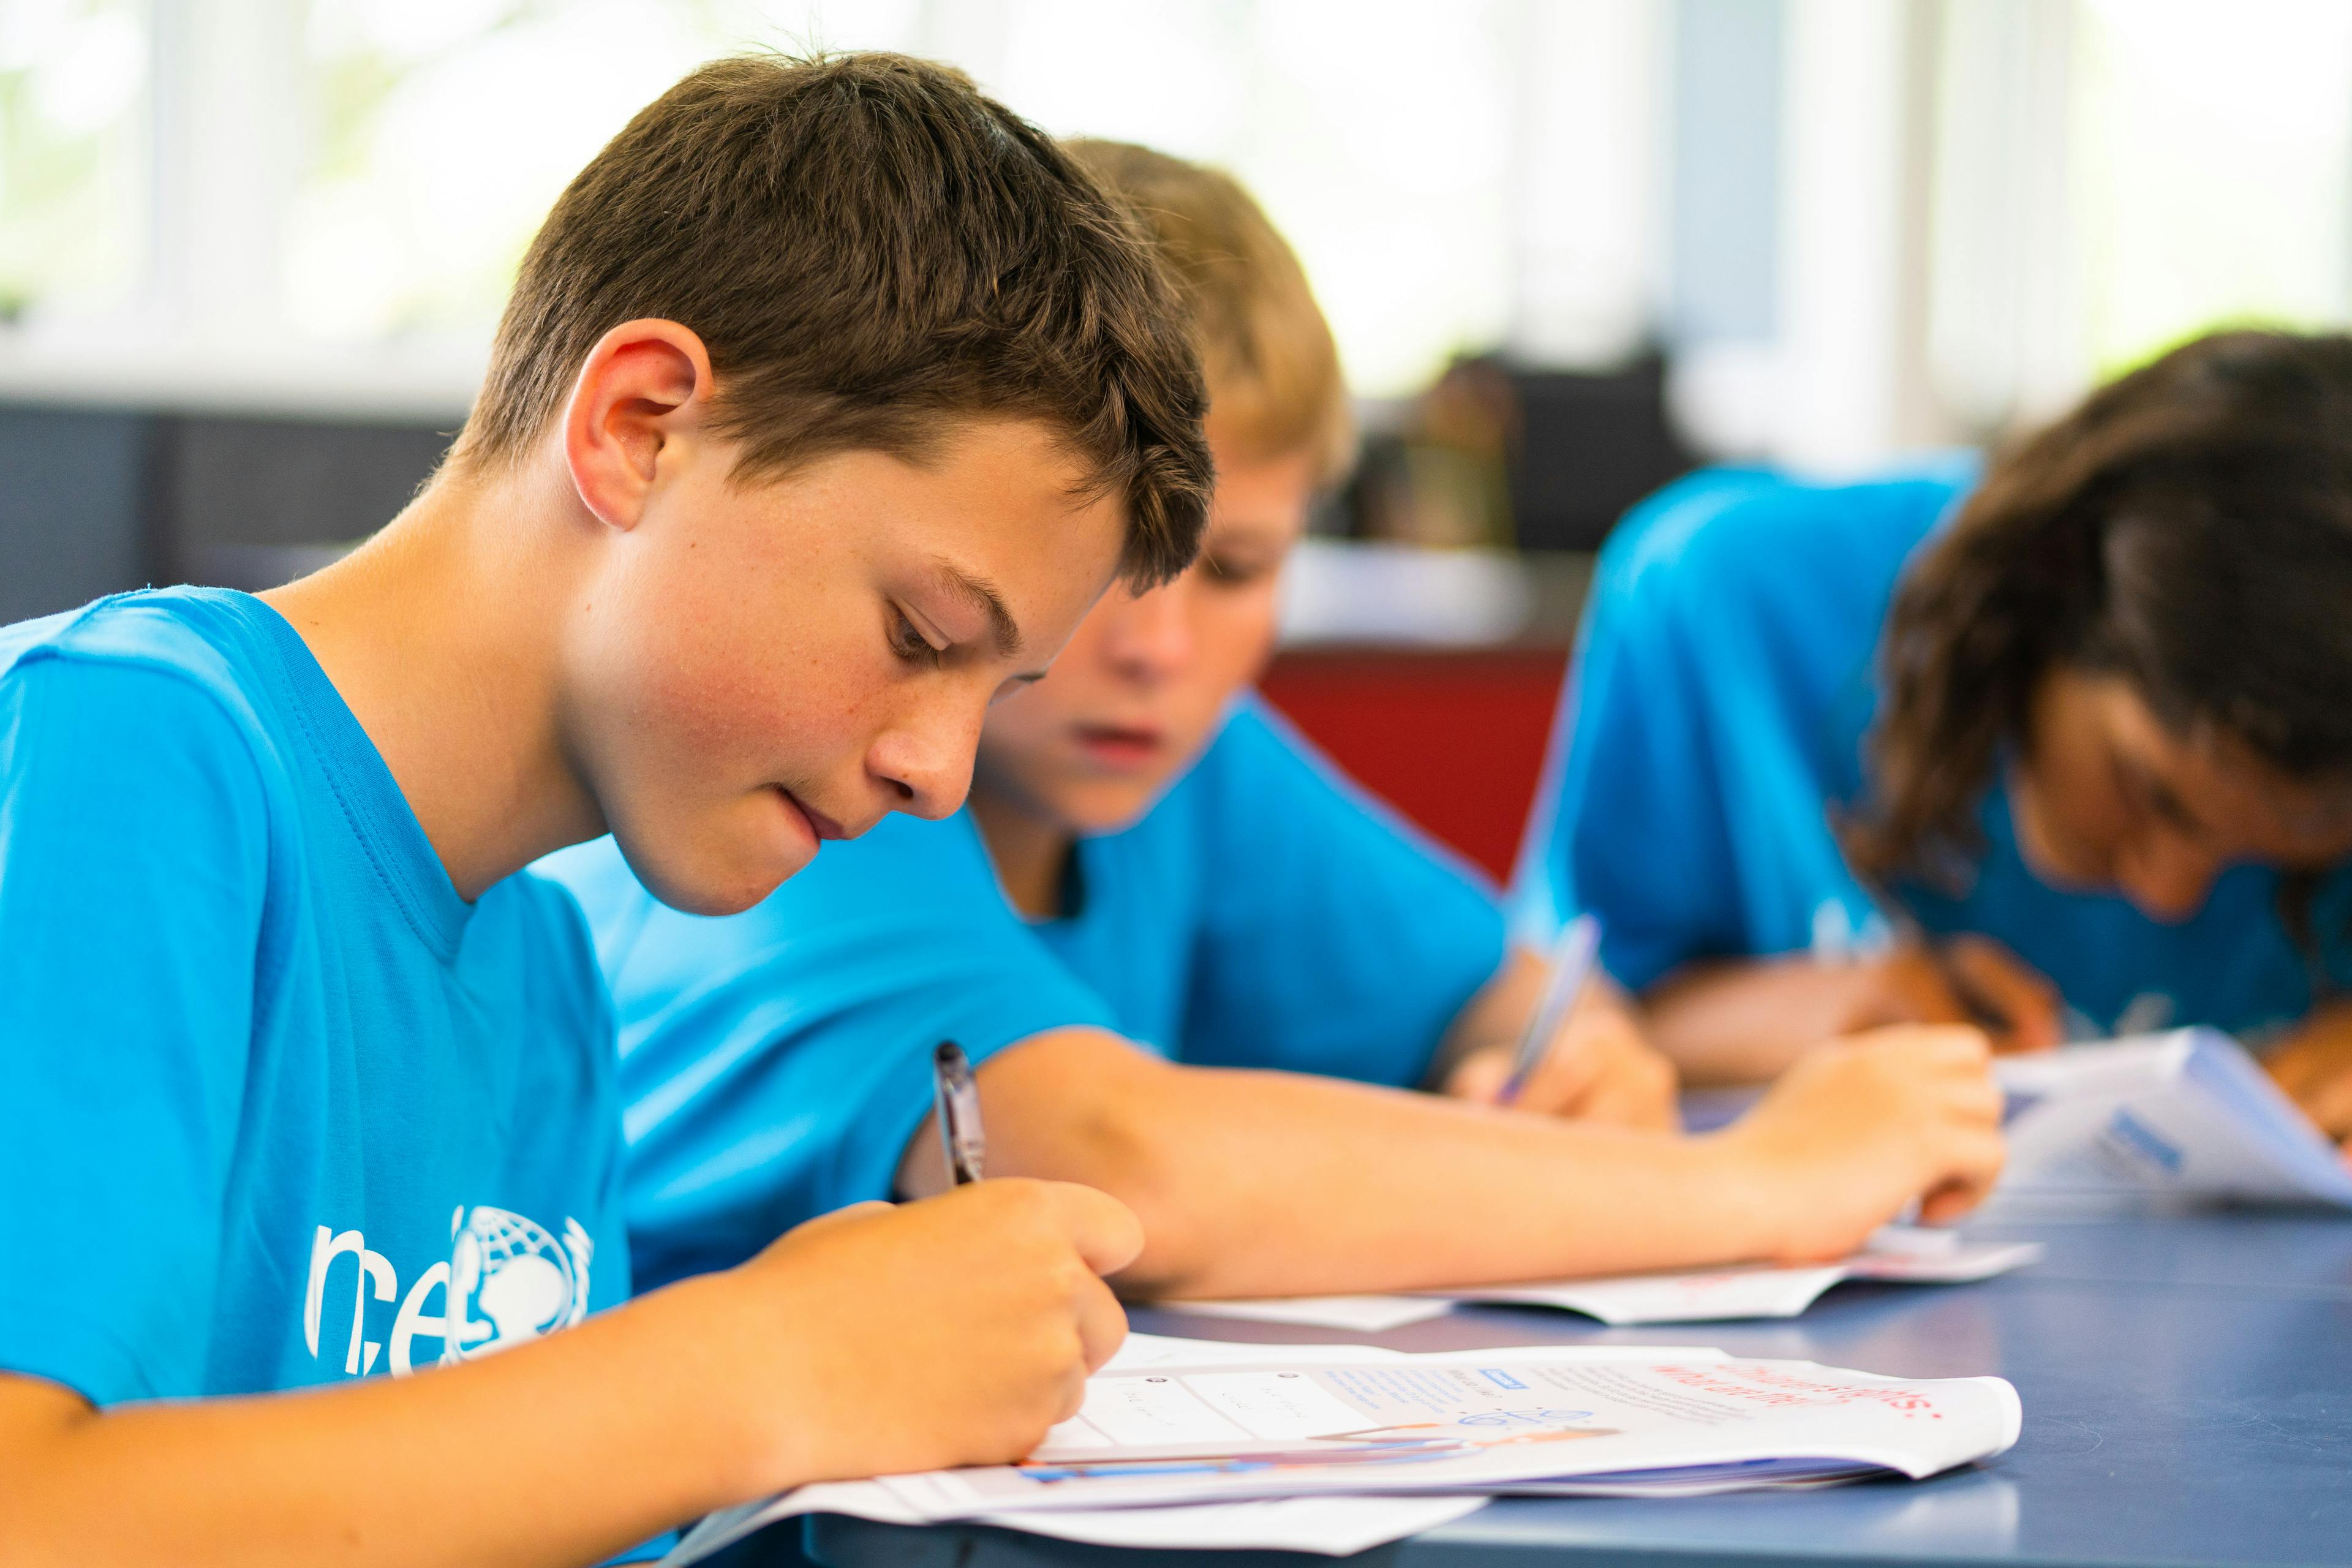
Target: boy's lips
x: 1121, y: 745
x: 820, y: 825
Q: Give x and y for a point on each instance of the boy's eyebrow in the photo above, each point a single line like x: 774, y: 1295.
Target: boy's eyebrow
x: 983, y: 594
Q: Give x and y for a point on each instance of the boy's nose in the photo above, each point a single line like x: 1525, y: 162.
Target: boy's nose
x: 924, y: 762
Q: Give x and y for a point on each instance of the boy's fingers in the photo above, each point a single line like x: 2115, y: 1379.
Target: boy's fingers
x: 1953, y: 1047
x: 1912, y: 988
x: 1972, y: 1167
x: 2328, y: 1102
x: 1949, y: 1202
x: 1105, y: 1231
x: 1963, y: 1191
x: 1479, y: 1077
x: 2295, y: 1069
x: 1102, y: 1324
x: 1568, y: 1077
x: 1962, y: 1047
x: 1979, y: 1099
x: 1637, y: 1092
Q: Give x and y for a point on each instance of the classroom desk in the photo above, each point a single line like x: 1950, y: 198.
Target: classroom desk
x: 2187, y: 1392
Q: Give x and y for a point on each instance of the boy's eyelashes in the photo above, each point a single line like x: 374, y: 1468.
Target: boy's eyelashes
x: 908, y: 641
x: 2154, y: 798
x: 1234, y: 570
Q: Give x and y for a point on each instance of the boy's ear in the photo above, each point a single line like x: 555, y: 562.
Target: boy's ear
x: 643, y: 386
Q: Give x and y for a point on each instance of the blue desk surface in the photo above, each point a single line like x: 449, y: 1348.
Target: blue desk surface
x: 2188, y: 1394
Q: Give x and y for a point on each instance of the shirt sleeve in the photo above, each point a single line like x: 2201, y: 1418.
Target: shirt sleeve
x: 1336, y: 938
x: 775, y: 1064
x: 1683, y: 800
x: 133, y: 864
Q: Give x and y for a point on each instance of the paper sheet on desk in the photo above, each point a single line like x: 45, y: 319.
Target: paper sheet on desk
x: 1327, y: 1526
x: 1483, y: 1422
x: 1897, y: 1253
x: 2183, y: 1115
x: 1758, y: 1291
x: 1332, y: 1525
x: 1358, y: 1426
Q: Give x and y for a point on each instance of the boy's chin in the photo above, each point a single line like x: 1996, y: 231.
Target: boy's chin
x: 1095, y: 808
x: 716, y: 875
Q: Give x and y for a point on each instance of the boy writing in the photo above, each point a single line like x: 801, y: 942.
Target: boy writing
x: 1167, y: 933
x: 831, y: 394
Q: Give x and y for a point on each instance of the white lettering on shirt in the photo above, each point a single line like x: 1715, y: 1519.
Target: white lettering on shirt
x: 506, y: 1280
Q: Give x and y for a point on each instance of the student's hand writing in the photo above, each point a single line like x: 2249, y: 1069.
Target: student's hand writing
x: 1599, y: 1068
x: 1743, y: 1020
x: 1858, y: 1128
x: 878, y: 1340
x: 1970, y: 979
x: 2313, y: 1066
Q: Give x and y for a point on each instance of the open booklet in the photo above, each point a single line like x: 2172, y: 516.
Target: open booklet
x: 2185, y: 1115
x: 1226, y: 1424
x: 1895, y: 1254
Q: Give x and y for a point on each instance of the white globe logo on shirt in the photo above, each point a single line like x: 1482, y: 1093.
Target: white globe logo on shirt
x: 511, y: 1281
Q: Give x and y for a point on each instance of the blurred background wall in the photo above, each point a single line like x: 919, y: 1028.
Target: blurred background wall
x: 251, y: 252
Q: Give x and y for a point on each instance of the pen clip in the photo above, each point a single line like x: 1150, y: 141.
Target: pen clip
x: 957, y: 1100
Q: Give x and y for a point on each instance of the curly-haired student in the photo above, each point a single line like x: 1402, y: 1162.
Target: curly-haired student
x: 2066, y: 741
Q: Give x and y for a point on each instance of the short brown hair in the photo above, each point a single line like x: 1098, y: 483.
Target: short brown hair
x: 1274, y: 386
x: 868, y: 247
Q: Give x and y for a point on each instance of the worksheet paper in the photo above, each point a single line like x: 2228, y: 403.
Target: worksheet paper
x: 1325, y: 1526
x: 1334, y: 1526
x: 1555, y: 1420
x: 1900, y: 1254
x: 2184, y: 1115
x: 1759, y: 1291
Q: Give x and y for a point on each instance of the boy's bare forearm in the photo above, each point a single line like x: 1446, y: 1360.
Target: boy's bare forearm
x: 1252, y: 1183
x: 1737, y: 1021
x: 565, y: 1451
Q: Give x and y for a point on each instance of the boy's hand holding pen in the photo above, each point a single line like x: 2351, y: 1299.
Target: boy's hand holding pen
x: 1580, y: 1054
x: 955, y: 1329
x: 1965, y: 979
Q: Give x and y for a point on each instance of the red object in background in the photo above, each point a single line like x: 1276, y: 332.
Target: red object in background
x: 1452, y: 739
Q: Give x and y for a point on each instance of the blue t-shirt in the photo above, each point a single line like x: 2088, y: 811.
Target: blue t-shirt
x: 1264, y: 914
x: 1726, y: 678
x: 276, y: 1107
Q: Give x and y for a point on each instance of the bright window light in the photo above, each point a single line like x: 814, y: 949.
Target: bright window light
x: 2214, y: 172
x: 72, y: 165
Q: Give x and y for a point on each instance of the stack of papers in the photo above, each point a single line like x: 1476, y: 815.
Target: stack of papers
x: 1896, y: 1253
x: 1359, y: 1437
x: 2184, y: 1115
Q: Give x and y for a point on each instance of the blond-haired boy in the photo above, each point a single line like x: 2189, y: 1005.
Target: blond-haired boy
x: 1168, y: 931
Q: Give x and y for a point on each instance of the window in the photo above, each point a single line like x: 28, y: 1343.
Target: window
x: 344, y: 188
x: 72, y: 156
x: 2213, y: 179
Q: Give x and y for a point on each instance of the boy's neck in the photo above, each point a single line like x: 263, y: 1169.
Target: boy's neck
x: 441, y: 635
x: 1031, y: 853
